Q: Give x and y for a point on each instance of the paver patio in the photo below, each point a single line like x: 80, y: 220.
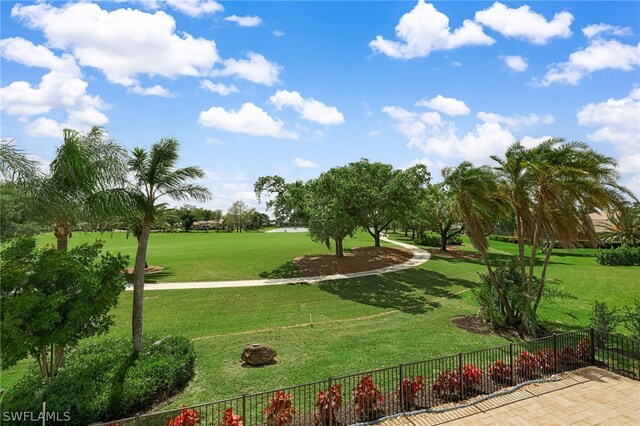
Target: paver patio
x: 590, y: 396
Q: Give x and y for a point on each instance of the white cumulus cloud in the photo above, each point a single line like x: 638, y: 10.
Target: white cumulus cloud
x: 599, y: 55
x: 308, y: 108
x: 616, y: 120
x: 256, y: 69
x: 244, y: 21
x: 449, y: 106
x: 302, y: 163
x: 193, y: 8
x: 219, y: 88
x: 249, y: 119
x: 156, y: 90
x: 524, y: 24
x: 515, y: 62
x: 515, y: 122
x: 595, y: 30
x: 425, y: 29
x: 122, y: 43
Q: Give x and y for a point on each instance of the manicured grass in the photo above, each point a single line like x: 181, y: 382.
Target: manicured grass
x: 351, y: 325
x: 213, y: 256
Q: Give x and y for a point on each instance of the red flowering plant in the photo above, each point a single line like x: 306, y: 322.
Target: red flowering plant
x: 500, y: 372
x: 471, y: 375
x: 546, y: 360
x: 446, y: 385
x: 368, y: 399
x: 229, y: 418
x: 409, y: 391
x: 584, y: 350
x: 567, y: 356
x: 187, y: 417
x: 527, y: 365
x: 280, y: 410
x: 328, y: 405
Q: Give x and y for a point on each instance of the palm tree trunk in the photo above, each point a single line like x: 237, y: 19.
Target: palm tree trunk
x: 534, y: 249
x: 543, y: 275
x: 138, y: 285
x: 520, y: 237
x: 503, y: 299
x: 62, y: 231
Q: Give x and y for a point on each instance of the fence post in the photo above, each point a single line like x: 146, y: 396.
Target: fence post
x: 137, y: 419
x: 555, y: 353
x: 511, y: 362
x: 592, y: 336
x: 460, y: 374
x: 244, y: 409
x: 330, y: 404
x: 402, y: 395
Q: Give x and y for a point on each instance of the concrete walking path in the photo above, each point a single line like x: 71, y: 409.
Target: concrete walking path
x: 420, y: 256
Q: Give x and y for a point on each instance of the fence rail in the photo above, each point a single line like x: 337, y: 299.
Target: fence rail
x: 371, y: 395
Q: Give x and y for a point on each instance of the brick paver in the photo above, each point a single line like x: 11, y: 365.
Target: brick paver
x: 590, y: 396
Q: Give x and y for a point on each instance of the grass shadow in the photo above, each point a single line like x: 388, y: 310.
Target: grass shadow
x: 151, y: 278
x: 411, y: 291
x: 286, y: 270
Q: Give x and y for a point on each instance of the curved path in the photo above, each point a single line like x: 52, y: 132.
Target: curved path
x: 419, y: 257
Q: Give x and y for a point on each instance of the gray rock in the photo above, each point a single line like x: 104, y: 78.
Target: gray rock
x: 257, y: 355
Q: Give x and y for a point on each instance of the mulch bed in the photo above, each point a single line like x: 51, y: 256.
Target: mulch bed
x: 148, y: 270
x: 454, y: 252
x: 357, y: 260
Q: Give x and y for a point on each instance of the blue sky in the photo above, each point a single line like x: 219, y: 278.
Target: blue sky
x: 294, y: 88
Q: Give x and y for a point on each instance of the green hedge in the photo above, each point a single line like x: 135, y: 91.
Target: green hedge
x: 103, y: 380
x: 503, y: 238
x: 432, y: 239
x: 623, y: 255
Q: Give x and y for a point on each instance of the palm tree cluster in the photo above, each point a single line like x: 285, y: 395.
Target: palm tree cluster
x: 94, y: 178
x: 550, y: 189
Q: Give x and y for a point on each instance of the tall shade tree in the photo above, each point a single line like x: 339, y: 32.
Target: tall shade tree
x: 332, y: 207
x: 288, y: 202
x: 476, y: 201
x: 435, y: 214
x: 156, y: 177
x: 88, y: 167
x: 384, y: 193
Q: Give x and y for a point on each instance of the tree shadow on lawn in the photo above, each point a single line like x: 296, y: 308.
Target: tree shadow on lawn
x: 496, y: 259
x: 409, y: 291
x: 151, y: 278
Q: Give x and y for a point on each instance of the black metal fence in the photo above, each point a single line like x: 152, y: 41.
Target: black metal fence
x: 371, y: 395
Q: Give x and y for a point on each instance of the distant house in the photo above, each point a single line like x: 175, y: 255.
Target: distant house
x: 600, y: 221
x: 205, y: 225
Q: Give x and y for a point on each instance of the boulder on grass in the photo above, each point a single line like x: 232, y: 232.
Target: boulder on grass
x: 257, y: 355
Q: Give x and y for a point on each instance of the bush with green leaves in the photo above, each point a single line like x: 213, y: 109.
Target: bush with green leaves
x: 104, y: 380
x: 429, y: 239
x: 52, y: 299
x: 619, y: 256
x: 631, y: 319
x: 604, y: 319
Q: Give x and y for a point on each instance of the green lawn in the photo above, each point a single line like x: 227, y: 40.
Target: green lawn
x: 350, y: 325
x: 213, y: 256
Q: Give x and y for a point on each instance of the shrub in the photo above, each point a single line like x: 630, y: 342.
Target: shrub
x: 429, y: 239
x: 604, y: 319
x: 368, y: 399
x: 471, y: 375
x: 103, y: 381
x: 229, y: 418
x: 567, y: 356
x: 546, y: 360
x: 328, y: 405
x: 527, y: 365
x: 631, y: 319
x: 503, y: 238
x: 500, y: 372
x: 410, y: 388
x: 583, y: 351
x: 280, y: 410
x: 619, y: 256
x: 456, y: 240
x: 446, y: 385
x: 187, y: 417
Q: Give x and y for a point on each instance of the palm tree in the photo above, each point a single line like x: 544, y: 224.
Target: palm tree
x: 156, y: 177
x: 477, y: 202
x: 567, y: 181
x: 623, y: 226
x: 85, y: 171
x: 15, y: 166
